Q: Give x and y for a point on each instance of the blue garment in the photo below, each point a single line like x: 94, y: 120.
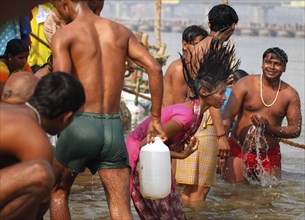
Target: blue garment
x: 10, y: 30
x: 227, y: 93
x: 25, y: 28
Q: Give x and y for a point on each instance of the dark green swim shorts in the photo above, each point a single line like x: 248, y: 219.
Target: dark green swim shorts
x: 94, y: 141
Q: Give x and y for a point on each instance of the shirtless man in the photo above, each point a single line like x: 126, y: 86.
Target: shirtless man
x: 261, y: 102
x: 175, y: 88
x: 26, y: 155
x: 19, y: 88
x: 94, y: 49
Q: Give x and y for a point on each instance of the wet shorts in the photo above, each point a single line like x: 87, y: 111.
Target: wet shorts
x: 94, y: 141
x: 270, y: 159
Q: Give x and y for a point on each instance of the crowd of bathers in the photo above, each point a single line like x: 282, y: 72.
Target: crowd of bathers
x: 61, y: 78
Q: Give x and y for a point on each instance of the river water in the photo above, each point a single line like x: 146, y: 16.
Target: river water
x: 285, y: 201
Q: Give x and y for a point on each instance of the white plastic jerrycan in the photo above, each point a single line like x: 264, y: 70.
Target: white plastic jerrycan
x: 155, y: 170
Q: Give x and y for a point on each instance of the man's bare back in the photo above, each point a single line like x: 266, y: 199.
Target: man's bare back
x: 98, y: 77
x: 24, y: 146
x: 175, y: 88
x: 104, y: 76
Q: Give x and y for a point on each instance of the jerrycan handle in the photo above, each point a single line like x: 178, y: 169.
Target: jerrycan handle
x: 157, y: 145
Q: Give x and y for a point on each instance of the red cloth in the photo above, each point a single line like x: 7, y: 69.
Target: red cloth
x: 269, y: 160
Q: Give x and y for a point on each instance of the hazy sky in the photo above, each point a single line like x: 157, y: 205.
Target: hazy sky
x: 198, y: 12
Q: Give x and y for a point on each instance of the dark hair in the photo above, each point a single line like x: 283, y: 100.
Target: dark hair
x: 15, y: 46
x: 238, y: 74
x: 58, y: 93
x: 214, y: 68
x: 190, y: 33
x: 277, y: 53
x: 221, y: 17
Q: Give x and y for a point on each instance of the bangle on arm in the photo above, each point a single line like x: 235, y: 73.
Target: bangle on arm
x: 220, y: 136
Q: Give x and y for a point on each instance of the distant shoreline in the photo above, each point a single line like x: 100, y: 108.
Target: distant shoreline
x: 249, y: 30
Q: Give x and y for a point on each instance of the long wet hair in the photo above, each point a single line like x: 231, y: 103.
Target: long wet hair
x: 210, y: 70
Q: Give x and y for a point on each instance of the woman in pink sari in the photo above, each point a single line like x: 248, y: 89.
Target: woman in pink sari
x: 180, y: 122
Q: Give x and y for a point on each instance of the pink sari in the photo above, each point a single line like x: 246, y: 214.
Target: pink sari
x: 169, y: 207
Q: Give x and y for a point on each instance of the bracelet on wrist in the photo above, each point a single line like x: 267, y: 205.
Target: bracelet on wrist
x: 156, y: 115
x: 220, y: 136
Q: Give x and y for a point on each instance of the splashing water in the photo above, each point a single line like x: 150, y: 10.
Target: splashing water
x: 254, y: 149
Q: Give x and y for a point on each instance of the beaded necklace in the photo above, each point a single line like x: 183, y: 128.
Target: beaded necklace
x: 261, y: 92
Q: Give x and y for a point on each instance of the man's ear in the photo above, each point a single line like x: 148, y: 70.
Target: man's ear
x: 64, y: 5
x: 184, y: 45
x: 68, y: 117
x: 9, y: 56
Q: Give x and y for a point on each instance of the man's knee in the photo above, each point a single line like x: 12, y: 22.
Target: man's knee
x: 43, y: 178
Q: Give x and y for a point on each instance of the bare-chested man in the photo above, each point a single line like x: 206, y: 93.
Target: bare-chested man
x: 94, y: 49
x: 26, y: 155
x: 175, y: 88
x: 261, y: 103
x: 19, y: 88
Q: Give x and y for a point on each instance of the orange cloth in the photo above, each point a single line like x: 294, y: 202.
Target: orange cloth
x: 5, y: 72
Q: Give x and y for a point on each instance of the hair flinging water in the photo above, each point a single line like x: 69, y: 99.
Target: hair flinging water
x: 210, y: 70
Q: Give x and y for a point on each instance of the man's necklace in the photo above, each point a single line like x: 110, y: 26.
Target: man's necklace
x: 35, y: 111
x: 261, y: 92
